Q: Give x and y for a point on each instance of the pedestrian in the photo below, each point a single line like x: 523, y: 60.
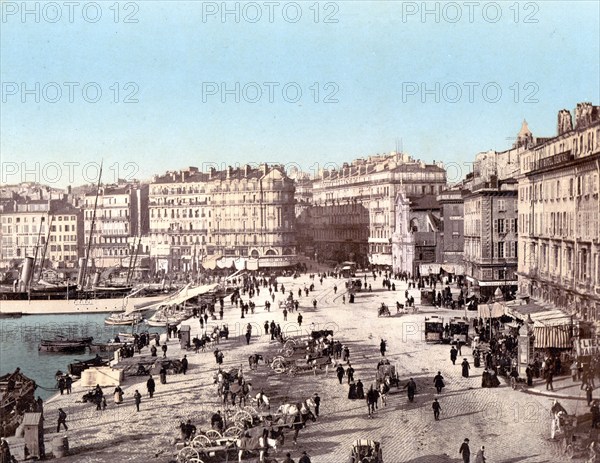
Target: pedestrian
x: 266, y: 326
x: 285, y: 312
x: 465, y: 368
x: 118, y: 395
x: 438, y: 382
x: 288, y: 458
x: 595, y: 410
x: 62, y: 419
x: 184, y: 364
x: 5, y: 455
x: 350, y: 373
x: 480, y: 458
x: 163, y: 375
x: 164, y: 349
x: 459, y: 345
x: 574, y: 370
x: 529, y: 374
x: 138, y: 399
x: 103, y: 403
x: 411, y: 388
x: 61, y: 385
x: 382, y: 347
x: 340, y: 372
x: 436, y: 409
x: 151, y: 386
x: 248, y: 335
x: 453, y: 355
x: 343, y: 299
x: 69, y: 384
x: 372, y: 397
x: 465, y: 451
x: 549, y: 379
x: 299, y: 319
x: 588, y: 394
x: 317, y: 401
x: 304, y: 458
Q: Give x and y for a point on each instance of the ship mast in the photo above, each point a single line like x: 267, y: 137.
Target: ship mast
x: 87, y: 250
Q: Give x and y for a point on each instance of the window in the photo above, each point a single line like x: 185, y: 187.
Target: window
x: 501, y: 250
x: 501, y: 205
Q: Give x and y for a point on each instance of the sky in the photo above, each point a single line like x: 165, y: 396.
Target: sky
x: 151, y: 86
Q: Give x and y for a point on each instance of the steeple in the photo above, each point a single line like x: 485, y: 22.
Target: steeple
x: 525, y: 137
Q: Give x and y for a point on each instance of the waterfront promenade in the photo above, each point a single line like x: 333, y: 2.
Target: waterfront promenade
x: 514, y: 426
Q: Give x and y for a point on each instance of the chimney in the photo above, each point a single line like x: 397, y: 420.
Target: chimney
x: 583, y: 115
x: 265, y: 169
x: 229, y: 172
x: 565, y: 122
x: 246, y: 170
x: 182, y: 176
x: 211, y: 173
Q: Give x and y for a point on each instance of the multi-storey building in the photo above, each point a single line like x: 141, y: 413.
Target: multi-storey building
x: 243, y: 214
x: 374, y: 184
x: 559, y: 232
x: 65, y: 244
x: 25, y: 232
x: 416, y: 237
x: 452, y: 229
x: 120, y: 216
x: 490, y: 220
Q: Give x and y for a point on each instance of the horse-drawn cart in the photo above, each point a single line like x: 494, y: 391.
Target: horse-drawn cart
x: 366, y: 451
x: 388, y: 374
x: 576, y: 438
x: 383, y: 311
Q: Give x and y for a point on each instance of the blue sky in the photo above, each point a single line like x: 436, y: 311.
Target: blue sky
x: 376, y: 65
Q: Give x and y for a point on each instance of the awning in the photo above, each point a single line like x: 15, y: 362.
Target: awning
x: 432, y: 269
x: 552, y: 336
x: 180, y: 297
x: 543, y: 315
x: 457, y: 269
x: 486, y: 311
x: 252, y: 264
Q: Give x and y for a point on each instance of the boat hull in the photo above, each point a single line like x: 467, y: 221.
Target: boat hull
x: 74, y: 306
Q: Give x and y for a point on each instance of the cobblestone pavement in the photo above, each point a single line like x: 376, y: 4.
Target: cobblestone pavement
x: 513, y: 426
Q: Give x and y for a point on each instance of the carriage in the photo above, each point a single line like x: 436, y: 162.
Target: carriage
x: 387, y: 373
x: 366, y: 451
x: 434, y: 329
x: 458, y: 331
x: 383, y: 310
x: 576, y: 439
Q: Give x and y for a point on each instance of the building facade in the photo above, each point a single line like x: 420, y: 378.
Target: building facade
x: 415, y: 241
x: 243, y: 214
x: 559, y: 234
x: 374, y: 184
x: 120, y: 216
x: 452, y: 237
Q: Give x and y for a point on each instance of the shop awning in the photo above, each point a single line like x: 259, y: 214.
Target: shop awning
x: 558, y: 336
x: 457, y: 269
x: 486, y: 311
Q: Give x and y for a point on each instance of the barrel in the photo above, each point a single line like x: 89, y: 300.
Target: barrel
x: 60, y: 446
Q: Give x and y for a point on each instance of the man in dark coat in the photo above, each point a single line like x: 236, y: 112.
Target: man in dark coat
x: 184, y: 364
x: 411, y: 387
x: 465, y: 368
x: 436, y: 409
x: 453, y: 355
x: 151, y: 386
x: 372, y: 398
x: 138, y: 399
x: 340, y: 373
x: 438, y: 382
x: 317, y: 401
x: 465, y: 451
x: 62, y: 418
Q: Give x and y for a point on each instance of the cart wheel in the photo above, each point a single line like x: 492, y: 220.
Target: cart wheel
x: 213, y: 434
x: 570, y: 451
x: 241, y: 418
x: 233, y: 431
x: 201, y: 441
x: 288, y: 351
x: 291, y: 342
x: 279, y: 370
x: 188, y: 455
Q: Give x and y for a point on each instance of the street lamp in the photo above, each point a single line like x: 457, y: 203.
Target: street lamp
x: 505, y: 290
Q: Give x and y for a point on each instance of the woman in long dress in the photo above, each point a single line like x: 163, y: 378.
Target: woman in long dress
x: 360, y: 391
x: 118, y: 395
x: 352, y: 391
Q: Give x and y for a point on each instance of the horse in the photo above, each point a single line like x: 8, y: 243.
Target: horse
x: 296, y: 415
x: 384, y: 388
x: 261, y: 399
x: 253, y: 361
x: 240, y: 389
x: 259, y: 443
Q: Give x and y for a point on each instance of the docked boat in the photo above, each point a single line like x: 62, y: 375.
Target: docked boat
x: 107, y: 347
x: 124, y: 319
x: 170, y: 315
x: 78, y: 366
x: 16, y: 398
x: 63, y: 344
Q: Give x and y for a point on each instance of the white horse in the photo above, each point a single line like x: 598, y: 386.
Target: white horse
x: 302, y: 410
x: 261, y: 444
x: 261, y: 400
x: 384, y: 388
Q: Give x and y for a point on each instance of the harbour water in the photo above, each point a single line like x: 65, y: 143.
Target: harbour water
x: 20, y: 339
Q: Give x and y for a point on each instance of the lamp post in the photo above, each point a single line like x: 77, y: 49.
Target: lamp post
x: 505, y: 290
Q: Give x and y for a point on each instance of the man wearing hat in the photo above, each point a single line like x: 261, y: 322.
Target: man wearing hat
x: 465, y: 451
x: 304, y: 458
x: 317, y: 401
